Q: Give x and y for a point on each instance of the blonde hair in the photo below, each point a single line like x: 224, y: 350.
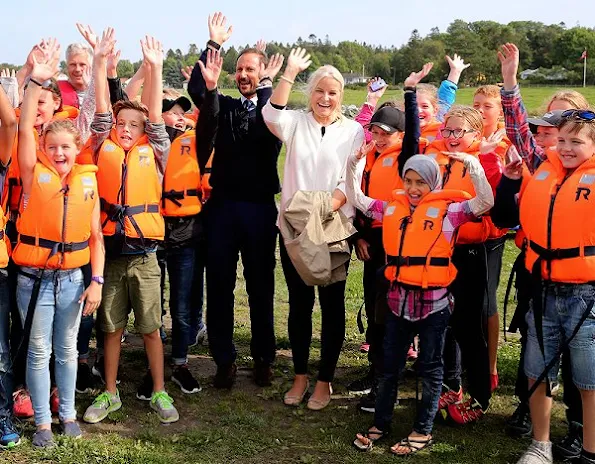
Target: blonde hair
x: 429, y: 91
x: 489, y: 91
x: 63, y: 125
x: 470, y: 115
x: 575, y: 99
x: 317, y: 76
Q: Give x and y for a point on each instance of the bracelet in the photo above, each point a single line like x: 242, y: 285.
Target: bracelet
x: 213, y: 45
x: 265, y: 78
x: 35, y: 82
x: 409, y: 89
x: 287, y: 79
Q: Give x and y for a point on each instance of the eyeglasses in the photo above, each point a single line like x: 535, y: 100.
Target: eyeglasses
x: 583, y: 115
x: 456, y: 133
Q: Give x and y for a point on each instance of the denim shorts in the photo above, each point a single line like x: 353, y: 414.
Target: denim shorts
x: 564, y: 306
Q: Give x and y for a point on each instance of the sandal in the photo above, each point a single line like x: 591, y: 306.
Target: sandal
x: 412, y: 445
x: 373, y: 436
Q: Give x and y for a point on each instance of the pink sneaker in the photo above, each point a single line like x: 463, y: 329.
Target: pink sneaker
x: 412, y: 353
x: 364, y: 347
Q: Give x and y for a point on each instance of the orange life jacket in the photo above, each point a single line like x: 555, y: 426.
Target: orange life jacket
x: 418, y: 253
x: 206, y: 179
x: 556, y: 211
x: 4, y: 242
x: 130, y: 190
x: 181, y: 184
x: 455, y: 176
x: 55, y: 227
x: 430, y: 130
x: 13, y: 187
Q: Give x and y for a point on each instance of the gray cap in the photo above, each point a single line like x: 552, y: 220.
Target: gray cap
x: 549, y: 119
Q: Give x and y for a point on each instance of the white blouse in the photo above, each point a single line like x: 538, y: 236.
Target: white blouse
x: 313, y: 162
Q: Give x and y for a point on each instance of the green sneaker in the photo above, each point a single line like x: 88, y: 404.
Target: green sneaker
x: 163, y: 405
x: 102, y: 406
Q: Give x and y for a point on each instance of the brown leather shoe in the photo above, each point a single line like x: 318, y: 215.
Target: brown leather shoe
x: 263, y: 374
x: 225, y: 376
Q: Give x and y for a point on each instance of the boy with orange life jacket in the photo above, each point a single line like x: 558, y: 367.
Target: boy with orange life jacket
x: 463, y: 133
x: 419, y: 233
x: 9, y: 435
x: 394, y: 134
x: 532, y: 148
x: 487, y: 101
x: 131, y: 157
x: 59, y: 233
x: 181, y: 204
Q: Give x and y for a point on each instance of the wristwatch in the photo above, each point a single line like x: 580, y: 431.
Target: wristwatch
x: 98, y: 279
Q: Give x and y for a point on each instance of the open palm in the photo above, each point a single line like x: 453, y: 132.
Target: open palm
x: 212, y: 70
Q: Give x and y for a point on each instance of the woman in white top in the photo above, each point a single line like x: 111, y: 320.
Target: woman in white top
x: 318, y: 142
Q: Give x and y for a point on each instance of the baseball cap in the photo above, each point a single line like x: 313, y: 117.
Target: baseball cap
x: 167, y: 104
x: 389, y: 119
x: 549, y: 119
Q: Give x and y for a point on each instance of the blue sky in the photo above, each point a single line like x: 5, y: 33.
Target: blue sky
x: 178, y: 24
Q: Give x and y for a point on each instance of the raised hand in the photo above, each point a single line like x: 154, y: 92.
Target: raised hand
x: 458, y: 156
x: 490, y: 144
x: 212, y: 70
x: 112, y: 62
x: 218, y: 31
x: 88, y: 34
x: 514, y: 164
x: 46, y: 61
x: 186, y: 72
x: 509, y: 62
x: 105, y: 47
x: 364, y: 150
x: 298, y: 61
x: 261, y: 45
x: 273, y: 67
x: 457, y: 66
x: 416, y: 77
x: 152, y: 51
x: 374, y: 96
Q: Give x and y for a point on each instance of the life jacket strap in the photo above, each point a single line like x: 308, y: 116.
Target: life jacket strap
x: 561, y: 253
x: 417, y: 261
x: 56, y: 247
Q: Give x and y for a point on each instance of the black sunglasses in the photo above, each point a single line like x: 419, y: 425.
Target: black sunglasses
x: 584, y: 115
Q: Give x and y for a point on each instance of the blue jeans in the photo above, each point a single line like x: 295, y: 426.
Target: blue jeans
x: 6, y: 378
x: 185, y: 268
x: 563, y: 307
x: 398, y: 338
x: 55, y: 327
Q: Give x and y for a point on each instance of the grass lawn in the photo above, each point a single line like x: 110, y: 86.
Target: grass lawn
x: 251, y: 425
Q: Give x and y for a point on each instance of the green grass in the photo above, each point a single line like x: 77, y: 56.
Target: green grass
x: 535, y: 98
x: 251, y: 425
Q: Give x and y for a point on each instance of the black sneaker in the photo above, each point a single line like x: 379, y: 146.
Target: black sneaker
x: 98, y: 370
x: 84, y: 379
x: 145, y: 389
x: 182, y: 377
x: 367, y: 403
x: 571, y: 445
x: 225, y: 376
x: 362, y: 386
x: 519, y: 424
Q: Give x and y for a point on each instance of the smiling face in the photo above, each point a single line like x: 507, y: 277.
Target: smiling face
x: 61, y: 149
x: 130, y: 126
x: 175, y: 117
x: 325, y: 99
x: 78, y: 70
x: 384, y: 139
x: 415, y: 187
x: 575, y: 147
x: 426, y: 109
x: 490, y: 109
x: 459, y: 126
x: 546, y: 136
x: 47, y: 105
x: 247, y: 73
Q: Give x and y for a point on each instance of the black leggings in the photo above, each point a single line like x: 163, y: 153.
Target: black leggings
x: 301, y: 305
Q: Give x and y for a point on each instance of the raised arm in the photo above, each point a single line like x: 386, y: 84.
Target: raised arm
x: 412, y: 130
x: 447, y: 92
x: 208, y: 117
x: 367, y: 110
x: 483, y: 200
x: 44, y: 67
x: 136, y: 82
x: 153, y: 55
x: 100, y: 54
x: 8, y: 127
x: 298, y: 61
x: 219, y: 33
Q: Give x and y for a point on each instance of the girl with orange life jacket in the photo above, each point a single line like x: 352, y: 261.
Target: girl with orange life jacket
x: 462, y: 133
x: 181, y: 205
x: 432, y: 103
x: 533, y: 147
x: 395, y: 135
x: 420, y: 225
x: 9, y: 435
x: 58, y: 233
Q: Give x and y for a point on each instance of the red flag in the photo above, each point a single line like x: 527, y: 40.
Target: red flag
x: 583, y: 56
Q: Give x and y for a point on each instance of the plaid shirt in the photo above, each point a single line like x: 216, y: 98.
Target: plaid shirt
x: 517, y: 128
x: 413, y: 304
